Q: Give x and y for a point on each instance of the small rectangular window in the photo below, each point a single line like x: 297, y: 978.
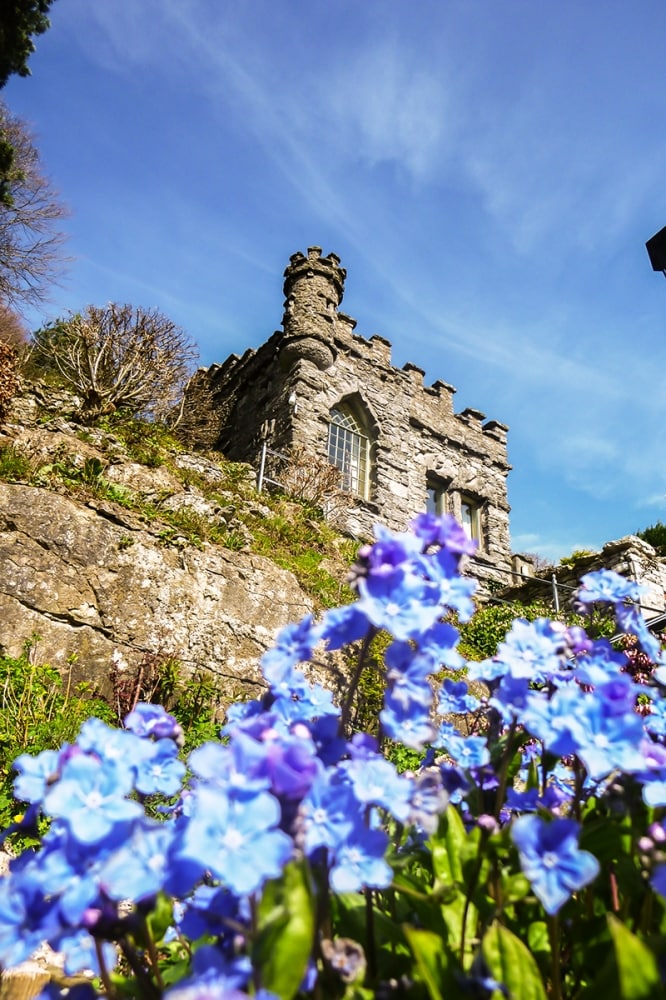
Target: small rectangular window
x: 436, y: 499
x: 470, y: 517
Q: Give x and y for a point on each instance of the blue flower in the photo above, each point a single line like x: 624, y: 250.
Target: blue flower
x: 90, y: 798
x: 340, y: 626
x: 467, y: 751
x: 605, y: 586
x: 359, y: 862
x: 139, y: 868
x: 328, y: 813
x: 406, y: 722
x: 533, y: 650
x: 511, y: 697
x: 552, y: 860
x: 35, y: 774
x: 390, y: 551
x: 454, y: 698
x: 235, y: 838
x: 119, y: 746
x: 438, y: 643
x: 630, y: 620
x: 607, y: 737
x: 443, y: 530
x: 658, y: 880
x: 80, y: 952
x: 215, y: 976
x: 162, y: 772
x: 377, y: 782
x: 402, y: 602
x: 294, y: 644
x: 429, y: 799
x: 26, y: 920
x: 155, y: 722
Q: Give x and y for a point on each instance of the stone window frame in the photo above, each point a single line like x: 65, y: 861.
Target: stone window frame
x: 471, y: 516
x: 438, y: 499
x: 349, y: 448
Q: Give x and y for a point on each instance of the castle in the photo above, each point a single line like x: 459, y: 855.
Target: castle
x: 399, y: 446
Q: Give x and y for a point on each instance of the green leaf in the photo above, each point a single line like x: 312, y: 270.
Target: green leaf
x: 160, y: 919
x: 637, y: 969
x: 451, y: 848
x: 537, y: 937
x: 511, y: 963
x: 437, y: 967
x: 285, y: 931
x: 447, y: 848
x: 515, y: 887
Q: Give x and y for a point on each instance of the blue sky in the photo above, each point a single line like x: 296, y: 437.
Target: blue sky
x: 488, y: 172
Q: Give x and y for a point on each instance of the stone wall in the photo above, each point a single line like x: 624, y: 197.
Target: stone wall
x: 629, y: 556
x: 284, y: 391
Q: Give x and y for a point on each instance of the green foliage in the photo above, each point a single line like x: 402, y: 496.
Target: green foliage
x: 147, y: 442
x: 19, y: 21
x: 480, y: 636
x: 39, y: 710
x: 576, y: 556
x: 298, y: 539
x: 293, y: 534
x: 403, y: 758
x: 286, y: 930
x: 369, y: 697
x: 14, y: 466
x: 655, y: 535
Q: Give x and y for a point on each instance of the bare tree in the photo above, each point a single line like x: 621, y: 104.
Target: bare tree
x: 12, y: 328
x: 118, y: 358
x: 31, y: 257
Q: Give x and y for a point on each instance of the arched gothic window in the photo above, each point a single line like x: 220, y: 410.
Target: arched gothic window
x: 349, y: 450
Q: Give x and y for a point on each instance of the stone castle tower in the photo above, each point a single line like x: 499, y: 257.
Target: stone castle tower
x: 398, y: 443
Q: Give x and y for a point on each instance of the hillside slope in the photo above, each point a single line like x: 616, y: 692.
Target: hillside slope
x: 115, y: 544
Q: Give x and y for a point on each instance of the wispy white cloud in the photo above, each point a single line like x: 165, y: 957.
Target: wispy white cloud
x: 385, y: 104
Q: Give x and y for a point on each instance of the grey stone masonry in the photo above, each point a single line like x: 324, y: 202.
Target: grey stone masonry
x: 318, y: 386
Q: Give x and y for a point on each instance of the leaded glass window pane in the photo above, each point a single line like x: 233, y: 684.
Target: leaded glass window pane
x: 348, y: 451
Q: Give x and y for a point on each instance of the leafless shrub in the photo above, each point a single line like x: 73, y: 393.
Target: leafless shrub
x: 118, y: 358
x: 12, y: 328
x: 313, y: 480
x: 142, y: 683
x: 195, y: 420
x: 9, y: 381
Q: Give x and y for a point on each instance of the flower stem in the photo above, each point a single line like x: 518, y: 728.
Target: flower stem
x: 152, y: 952
x: 554, y: 937
x: 349, y: 700
x: 103, y: 971
x: 470, y: 890
x: 504, y: 768
x: 370, y: 933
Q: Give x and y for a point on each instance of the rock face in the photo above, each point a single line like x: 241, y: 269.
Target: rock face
x: 88, y: 583
x: 94, y: 579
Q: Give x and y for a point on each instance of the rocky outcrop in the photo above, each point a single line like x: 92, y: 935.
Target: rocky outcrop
x: 88, y: 580
x: 99, y: 580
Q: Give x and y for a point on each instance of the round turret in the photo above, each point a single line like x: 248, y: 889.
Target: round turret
x: 313, y: 289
